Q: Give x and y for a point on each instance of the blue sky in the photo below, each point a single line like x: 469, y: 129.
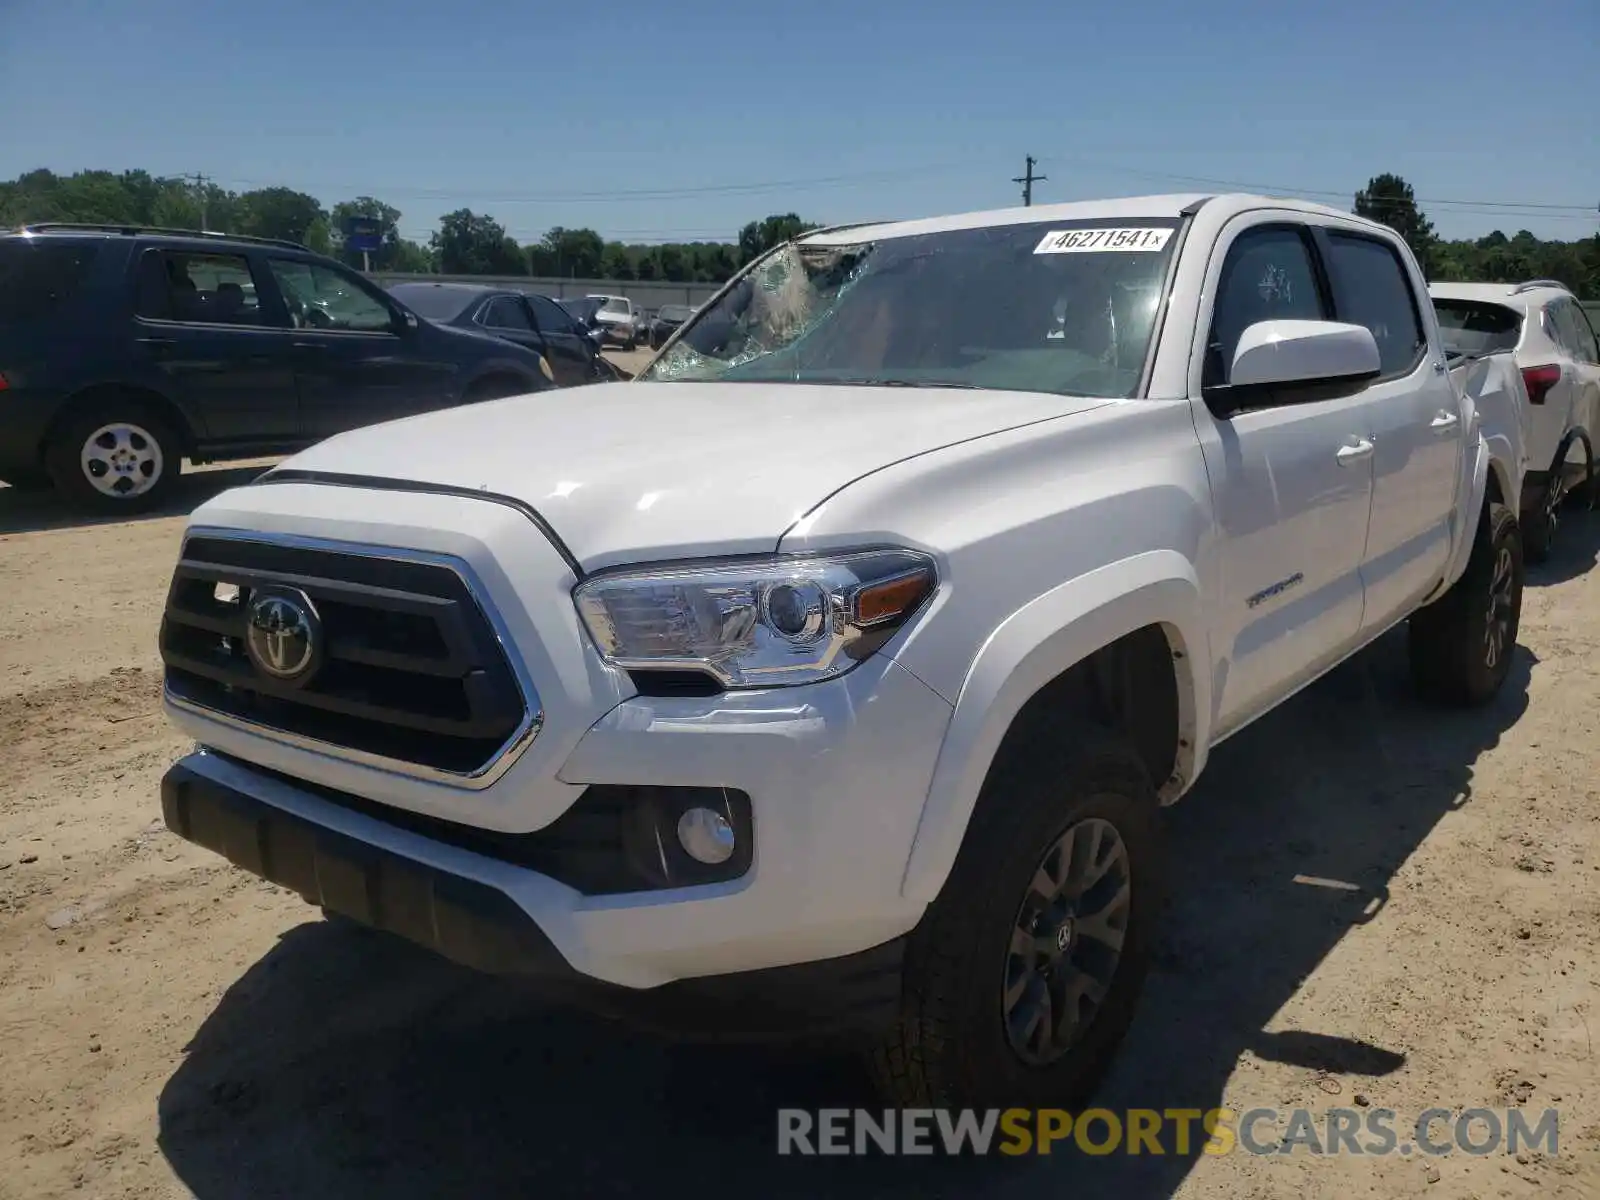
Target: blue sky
x: 664, y: 121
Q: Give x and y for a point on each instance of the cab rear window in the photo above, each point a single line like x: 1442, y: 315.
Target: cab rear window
x: 38, y: 277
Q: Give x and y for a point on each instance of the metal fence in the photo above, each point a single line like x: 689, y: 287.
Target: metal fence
x: 648, y: 295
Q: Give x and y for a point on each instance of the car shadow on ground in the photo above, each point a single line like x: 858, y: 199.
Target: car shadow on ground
x: 27, y: 511
x: 344, y: 1063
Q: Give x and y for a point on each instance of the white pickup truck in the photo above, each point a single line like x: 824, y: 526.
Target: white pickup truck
x: 831, y: 675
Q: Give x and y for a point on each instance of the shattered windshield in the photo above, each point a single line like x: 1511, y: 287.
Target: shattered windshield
x: 1066, y: 307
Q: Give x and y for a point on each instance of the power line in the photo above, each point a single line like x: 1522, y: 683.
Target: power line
x: 1272, y: 188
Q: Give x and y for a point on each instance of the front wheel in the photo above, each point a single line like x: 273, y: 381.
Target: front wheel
x: 115, y: 458
x: 1461, y: 645
x: 1023, y: 976
x: 496, y: 387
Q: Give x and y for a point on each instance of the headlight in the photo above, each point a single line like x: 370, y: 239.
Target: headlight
x: 762, y: 623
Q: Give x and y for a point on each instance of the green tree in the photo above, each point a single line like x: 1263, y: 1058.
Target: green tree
x: 616, y: 262
x: 469, y: 244
x: 319, y: 237
x: 1389, y: 199
x: 277, y: 212
x: 671, y: 260
x: 412, y: 258
x: 569, y: 254
x: 756, y: 238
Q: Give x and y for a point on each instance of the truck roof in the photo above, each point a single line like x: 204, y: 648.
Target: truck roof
x: 1166, y: 206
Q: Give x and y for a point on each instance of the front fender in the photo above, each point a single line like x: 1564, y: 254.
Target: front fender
x: 1035, y: 644
x: 530, y: 374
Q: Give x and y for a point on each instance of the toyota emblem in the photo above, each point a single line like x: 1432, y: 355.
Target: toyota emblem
x: 283, y: 634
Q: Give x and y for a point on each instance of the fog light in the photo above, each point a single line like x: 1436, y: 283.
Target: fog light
x: 706, y: 835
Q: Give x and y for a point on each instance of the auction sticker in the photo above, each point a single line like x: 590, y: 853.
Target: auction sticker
x: 1097, y: 241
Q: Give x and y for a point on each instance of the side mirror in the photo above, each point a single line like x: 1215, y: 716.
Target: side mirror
x: 1281, y: 362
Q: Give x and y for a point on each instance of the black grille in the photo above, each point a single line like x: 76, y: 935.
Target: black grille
x: 412, y: 669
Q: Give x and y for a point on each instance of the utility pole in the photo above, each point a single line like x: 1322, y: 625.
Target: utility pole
x: 200, y: 182
x: 1027, y: 180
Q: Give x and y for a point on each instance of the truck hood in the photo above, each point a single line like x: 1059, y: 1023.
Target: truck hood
x: 630, y: 472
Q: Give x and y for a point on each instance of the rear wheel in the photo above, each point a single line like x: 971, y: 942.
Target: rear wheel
x: 1022, y: 978
x: 1461, y: 645
x: 29, y: 481
x: 115, y: 457
x: 1544, y: 519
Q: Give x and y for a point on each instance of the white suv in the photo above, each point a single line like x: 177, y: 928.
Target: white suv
x: 1556, y: 348
x: 833, y: 673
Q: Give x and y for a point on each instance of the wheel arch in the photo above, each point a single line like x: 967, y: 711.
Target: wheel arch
x: 107, y: 393
x: 1128, y: 637
x: 1574, y: 436
x: 501, y: 370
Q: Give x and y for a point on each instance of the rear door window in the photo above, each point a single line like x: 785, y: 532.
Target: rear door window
x: 505, y: 312
x: 1573, y: 331
x: 551, y: 316
x: 1370, y: 288
x: 1588, y: 344
x: 38, y: 276
x: 199, y: 289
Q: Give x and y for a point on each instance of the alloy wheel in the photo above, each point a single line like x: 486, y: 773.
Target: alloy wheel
x: 1497, y: 629
x: 1066, y: 941
x: 121, y: 460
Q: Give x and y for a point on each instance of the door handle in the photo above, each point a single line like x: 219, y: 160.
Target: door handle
x: 317, y: 346
x: 159, y: 345
x: 1358, y: 452
x: 1444, y: 422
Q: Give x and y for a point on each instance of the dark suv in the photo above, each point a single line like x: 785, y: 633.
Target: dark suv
x: 125, y: 350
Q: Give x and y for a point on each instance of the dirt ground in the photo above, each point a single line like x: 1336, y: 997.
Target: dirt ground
x: 172, y: 1027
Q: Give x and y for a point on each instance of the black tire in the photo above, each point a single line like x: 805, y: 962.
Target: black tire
x: 30, y: 481
x: 1541, y: 522
x: 496, y: 387
x: 138, y: 449
x: 1461, y: 645
x: 951, y: 1045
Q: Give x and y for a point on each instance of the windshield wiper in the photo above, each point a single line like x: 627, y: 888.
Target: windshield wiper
x: 910, y: 383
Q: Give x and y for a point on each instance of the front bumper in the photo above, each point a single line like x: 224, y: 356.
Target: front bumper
x: 479, y: 925
x: 836, y: 773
